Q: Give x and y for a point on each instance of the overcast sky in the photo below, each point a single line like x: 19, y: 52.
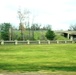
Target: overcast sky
x: 58, y: 13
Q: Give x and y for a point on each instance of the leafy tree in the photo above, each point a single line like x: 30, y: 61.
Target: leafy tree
x: 6, y: 31
x: 50, y: 35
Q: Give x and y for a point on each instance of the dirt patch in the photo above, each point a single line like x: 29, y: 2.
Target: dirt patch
x: 32, y: 73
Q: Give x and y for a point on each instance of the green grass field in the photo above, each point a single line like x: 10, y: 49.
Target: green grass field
x: 34, y: 58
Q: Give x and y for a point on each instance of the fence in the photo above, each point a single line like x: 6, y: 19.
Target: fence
x: 2, y: 42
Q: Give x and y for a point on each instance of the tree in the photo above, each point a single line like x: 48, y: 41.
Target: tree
x: 21, y: 27
x: 22, y: 16
x: 72, y: 27
x: 46, y: 27
x: 35, y: 26
x: 50, y: 35
x: 6, y: 31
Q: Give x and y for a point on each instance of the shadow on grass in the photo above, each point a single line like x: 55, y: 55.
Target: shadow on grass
x: 35, y: 67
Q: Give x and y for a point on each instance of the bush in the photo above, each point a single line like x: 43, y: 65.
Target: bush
x: 5, y: 30
x: 50, y: 35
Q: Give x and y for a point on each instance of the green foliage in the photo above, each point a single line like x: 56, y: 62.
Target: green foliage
x: 38, y: 35
x: 5, y: 31
x: 50, y: 35
x: 0, y: 35
x: 23, y: 58
x: 59, y: 37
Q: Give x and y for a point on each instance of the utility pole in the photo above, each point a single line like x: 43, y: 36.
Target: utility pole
x: 10, y: 31
x: 32, y: 28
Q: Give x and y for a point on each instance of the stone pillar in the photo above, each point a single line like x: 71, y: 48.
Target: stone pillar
x: 57, y: 41
x: 28, y: 42
x: 16, y: 42
x: 2, y: 42
x: 48, y: 41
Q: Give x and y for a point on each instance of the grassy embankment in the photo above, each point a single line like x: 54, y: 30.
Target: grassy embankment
x: 39, y: 35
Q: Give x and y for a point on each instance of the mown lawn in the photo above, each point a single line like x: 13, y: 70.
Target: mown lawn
x: 27, y: 58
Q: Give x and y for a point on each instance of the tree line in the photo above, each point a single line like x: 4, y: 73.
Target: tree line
x: 8, y: 32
